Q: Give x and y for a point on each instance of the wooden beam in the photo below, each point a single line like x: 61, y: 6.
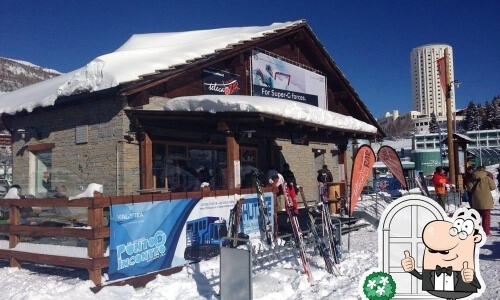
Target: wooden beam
x: 233, y: 160
x: 39, y: 147
x: 316, y: 150
x: 146, y: 160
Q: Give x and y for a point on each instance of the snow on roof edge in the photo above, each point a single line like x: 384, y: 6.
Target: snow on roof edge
x: 279, y: 107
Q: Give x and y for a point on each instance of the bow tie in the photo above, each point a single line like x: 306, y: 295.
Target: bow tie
x: 446, y: 270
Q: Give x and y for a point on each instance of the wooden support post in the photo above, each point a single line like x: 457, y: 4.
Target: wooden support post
x: 95, y: 246
x: 449, y: 122
x: 95, y: 276
x: 146, y: 161
x: 15, y: 219
x: 233, y: 162
x: 276, y: 207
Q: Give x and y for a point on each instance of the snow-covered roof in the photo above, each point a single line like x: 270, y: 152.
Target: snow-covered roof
x: 465, y: 137
x: 278, y: 107
x: 142, y: 54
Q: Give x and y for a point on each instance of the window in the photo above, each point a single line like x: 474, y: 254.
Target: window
x: 41, y: 167
x: 185, y: 167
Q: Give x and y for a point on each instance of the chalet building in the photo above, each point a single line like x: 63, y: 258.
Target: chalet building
x: 150, y: 116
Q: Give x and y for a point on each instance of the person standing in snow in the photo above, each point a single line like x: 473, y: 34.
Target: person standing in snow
x: 440, y: 181
x: 481, y: 186
x: 498, y: 181
x: 324, y: 175
x: 280, y: 196
x: 467, y: 178
x: 289, y: 177
x: 271, y: 173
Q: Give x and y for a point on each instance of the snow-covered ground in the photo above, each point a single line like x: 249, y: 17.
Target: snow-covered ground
x: 281, y: 280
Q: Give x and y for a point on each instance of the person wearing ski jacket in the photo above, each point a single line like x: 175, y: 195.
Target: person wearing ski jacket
x: 324, y: 175
x: 481, y: 186
x: 289, y: 177
x: 280, y: 196
x: 467, y: 177
x: 498, y: 180
x: 440, y: 181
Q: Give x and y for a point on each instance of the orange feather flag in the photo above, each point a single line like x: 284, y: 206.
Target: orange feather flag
x: 361, y: 170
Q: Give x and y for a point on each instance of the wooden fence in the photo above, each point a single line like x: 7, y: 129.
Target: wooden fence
x: 24, y: 224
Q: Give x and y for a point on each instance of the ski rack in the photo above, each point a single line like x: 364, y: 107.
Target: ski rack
x: 284, y: 246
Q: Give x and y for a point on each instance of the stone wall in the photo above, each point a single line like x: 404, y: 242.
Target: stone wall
x: 105, y: 156
x: 303, y: 164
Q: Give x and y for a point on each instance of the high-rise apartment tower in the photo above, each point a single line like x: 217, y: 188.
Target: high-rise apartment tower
x: 427, y: 93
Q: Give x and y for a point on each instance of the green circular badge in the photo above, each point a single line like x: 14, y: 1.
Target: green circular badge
x: 379, y: 286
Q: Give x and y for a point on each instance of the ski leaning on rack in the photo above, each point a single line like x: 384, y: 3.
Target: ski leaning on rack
x: 328, y: 227
x: 294, y: 222
x: 320, y: 244
x: 234, y: 222
x: 265, y: 225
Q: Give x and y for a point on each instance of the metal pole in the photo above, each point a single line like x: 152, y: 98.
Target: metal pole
x: 479, y: 143
x: 449, y: 119
x: 440, y: 146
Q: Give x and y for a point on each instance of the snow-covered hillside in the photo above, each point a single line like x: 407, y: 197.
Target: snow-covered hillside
x: 15, y: 74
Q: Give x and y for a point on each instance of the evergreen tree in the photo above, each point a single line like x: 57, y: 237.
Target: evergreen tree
x: 489, y: 116
x: 471, y: 117
x: 495, y: 103
x: 481, y: 117
x: 433, y: 124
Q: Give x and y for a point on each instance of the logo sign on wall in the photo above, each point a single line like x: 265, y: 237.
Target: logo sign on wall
x: 218, y: 82
x: 152, y: 236
x: 275, y: 78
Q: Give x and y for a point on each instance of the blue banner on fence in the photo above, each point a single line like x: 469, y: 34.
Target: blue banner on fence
x: 144, y: 236
x: 151, y: 236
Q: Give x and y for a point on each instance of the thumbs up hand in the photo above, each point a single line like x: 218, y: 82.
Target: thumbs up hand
x: 467, y: 274
x: 408, y: 263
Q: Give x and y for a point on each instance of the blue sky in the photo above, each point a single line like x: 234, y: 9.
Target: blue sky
x: 370, y: 40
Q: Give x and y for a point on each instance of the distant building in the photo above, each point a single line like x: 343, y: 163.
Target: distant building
x: 391, y: 118
x: 421, y: 122
x: 427, y: 93
x: 483, y: 149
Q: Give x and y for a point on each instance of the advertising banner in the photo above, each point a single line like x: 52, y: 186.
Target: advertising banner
x: 391, y: 159
x: 361, y: 169
x: 151, y: 236
x: 441, y: 68
x: 275, y: 78
x: 218, y: 82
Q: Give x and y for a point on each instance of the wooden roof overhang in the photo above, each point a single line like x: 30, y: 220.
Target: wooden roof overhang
x: 299, y: 34
x: 262, y: 125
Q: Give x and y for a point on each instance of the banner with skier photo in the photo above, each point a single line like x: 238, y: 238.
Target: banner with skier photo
x: 276, y: 78
x: 361, y: 170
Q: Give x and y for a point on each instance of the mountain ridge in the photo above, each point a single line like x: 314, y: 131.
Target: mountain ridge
x: 16, y: 74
